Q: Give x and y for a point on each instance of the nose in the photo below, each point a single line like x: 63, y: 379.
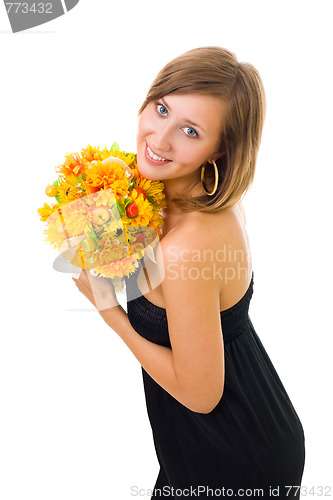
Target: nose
x: 162, y: 139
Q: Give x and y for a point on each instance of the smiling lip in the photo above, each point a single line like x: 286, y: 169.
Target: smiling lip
x: 156, y: 160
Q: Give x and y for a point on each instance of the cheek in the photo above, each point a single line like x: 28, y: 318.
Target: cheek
x: 193, y: 156
x: 146, y: 123
x: 189, y: 154
x: 140, y: 127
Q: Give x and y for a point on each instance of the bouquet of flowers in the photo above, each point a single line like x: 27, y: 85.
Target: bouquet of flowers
x: 106, y: 213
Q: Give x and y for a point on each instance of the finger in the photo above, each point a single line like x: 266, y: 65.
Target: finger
x: 83, y: 278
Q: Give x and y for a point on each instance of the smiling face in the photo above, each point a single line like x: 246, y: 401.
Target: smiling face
x: 177, y: 134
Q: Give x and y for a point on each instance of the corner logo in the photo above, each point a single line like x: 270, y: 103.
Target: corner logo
x: 28, y: 14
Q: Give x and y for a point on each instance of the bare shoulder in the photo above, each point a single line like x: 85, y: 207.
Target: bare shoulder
x: 240, y: 206
x: 207, y: 229
x: 208, y: 238
x: 215, y: 249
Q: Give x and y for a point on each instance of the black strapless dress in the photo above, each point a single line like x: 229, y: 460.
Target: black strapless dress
x: 253, y: 439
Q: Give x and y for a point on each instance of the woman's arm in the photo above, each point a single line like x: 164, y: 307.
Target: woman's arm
x: 193, y: 370
x: 191, y: 290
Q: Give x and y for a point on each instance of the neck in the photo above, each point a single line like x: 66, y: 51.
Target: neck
x: 178, y: 187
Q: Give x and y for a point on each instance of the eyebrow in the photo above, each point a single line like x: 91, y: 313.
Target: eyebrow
x: 187, y: 121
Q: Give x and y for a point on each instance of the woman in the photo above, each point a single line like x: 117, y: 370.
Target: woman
x: 222, y: 421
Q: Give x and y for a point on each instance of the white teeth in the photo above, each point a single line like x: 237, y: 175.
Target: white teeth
x: 153, y: 156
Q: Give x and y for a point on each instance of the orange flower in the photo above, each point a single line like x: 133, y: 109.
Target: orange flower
x: 91, y: 153
x: 103, y: 176
x: 72, y: 165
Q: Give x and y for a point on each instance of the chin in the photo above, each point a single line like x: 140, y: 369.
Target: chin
x: 149, y: 171
x: 142, y: 167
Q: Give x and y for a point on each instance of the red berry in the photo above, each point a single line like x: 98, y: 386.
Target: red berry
x: 132, y: 210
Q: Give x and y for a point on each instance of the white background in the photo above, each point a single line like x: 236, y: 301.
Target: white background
x: 73, y: 421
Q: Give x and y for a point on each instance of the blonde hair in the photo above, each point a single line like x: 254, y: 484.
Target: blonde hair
x: 215, y: 71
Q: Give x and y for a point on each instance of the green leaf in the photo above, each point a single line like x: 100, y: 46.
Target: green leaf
x: 92, y: 235
x: 128, y: 201
x: 56, y: 183
x: 150, y: 199
x: 115, y: 147
x: 120, y: 208
x: 58, y: 199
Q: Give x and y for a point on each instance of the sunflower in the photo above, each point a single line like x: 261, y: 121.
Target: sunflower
x: 145, y: 210
x: 68, y: 191
x: 153, y: 189
x: 112, y: 227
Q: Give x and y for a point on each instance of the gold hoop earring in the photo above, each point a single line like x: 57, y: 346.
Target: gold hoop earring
x: 216, y: 172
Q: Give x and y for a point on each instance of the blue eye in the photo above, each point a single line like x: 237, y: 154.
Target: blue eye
x: 191, y: 132
x: 162, y: 109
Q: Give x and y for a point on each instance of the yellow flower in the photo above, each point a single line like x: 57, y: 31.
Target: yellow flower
x: 112, y: 227
x: 119, y: 268
x: 46, y: 210
x: 88, y: 258
x: 77, y: 217
x: 157, y: 222
x: 68, y: 191
x: 55, y: 233
x: 108, y: 176
x: 110, y: 251
x: 145, y: 211
x: 154, y: 189
x: 105, y: 197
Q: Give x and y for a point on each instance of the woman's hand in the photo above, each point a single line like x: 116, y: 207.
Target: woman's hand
x: 99, y: 291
